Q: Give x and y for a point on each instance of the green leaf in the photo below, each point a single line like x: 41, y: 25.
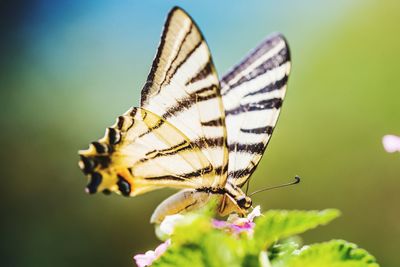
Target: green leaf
x: 185, y: 255
x: 222, y: 249
x: 196, y: 243
x: 282, y: 250
x: 335, y: 253
x: 278, y: 224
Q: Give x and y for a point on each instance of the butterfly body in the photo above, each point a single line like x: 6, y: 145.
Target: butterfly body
x: 193, y: 132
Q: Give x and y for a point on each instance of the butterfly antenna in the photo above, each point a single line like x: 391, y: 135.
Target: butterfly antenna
x: 296, y: 181
x: 247, y: 185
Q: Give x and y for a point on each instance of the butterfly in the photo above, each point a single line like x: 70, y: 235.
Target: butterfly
x: 193, y: 131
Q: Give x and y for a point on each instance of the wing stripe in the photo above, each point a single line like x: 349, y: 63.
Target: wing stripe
x: 259, y: 130
x: 165, y: 178
x: 157, y: 58
x: 270, y: 87
x: 256, y: 148
x: 237, y: 174
x: 172, y: 150
x: 272, y: 63
x: 221, y: 170
x: 204, y: 72
x: 212, y: 142
x: 262, y: 105
x: 187, y: 57
x: 263, y: 53
x: 184, y: 176
x: 216, y: 123
x: 191, y: 100
x: 169, y: 75
x: 151, y: 129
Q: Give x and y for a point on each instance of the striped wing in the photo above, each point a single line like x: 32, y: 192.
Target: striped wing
x: 183, y: 88
x: 252, y: 94
x: 143, y: 152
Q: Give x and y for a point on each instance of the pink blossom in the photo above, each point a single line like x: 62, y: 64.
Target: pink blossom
x: 143, y: 260
x: 168, y: 224
x: 391, y: 143
x: 243, y: 227
x: 238, y: 225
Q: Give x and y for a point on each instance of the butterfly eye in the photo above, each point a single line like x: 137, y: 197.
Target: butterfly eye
x: 244, y: 202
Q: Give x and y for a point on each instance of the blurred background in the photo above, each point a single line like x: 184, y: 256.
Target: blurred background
x: 69, y: 68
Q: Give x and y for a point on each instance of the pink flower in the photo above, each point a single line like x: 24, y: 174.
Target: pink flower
x: 143, y: 260
x: 238, y: 225
x: 168, y: 224
x: 391, y: 143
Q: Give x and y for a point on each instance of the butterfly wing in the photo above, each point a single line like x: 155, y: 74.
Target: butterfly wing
x: 178, y: 137
x: 252, y: 94
x: 183, y: 88
x: 143, y: 152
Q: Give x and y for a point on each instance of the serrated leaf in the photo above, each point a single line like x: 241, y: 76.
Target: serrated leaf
x: 195, y: 237
x: 222, y: 249
x: 212, y: 249
x: 335, y: 253
x: 185, y: 255
x: 280, y: 251
x: 280, y: 224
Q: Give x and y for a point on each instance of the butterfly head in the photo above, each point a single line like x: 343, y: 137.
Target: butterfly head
x: 239, y: 205
x: 244, y: 202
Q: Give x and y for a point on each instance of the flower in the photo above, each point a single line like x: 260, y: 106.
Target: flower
x: 256, y: 212
x: 238, y: 225
x: 391, y: 143
x: 147, y: 259
x: 168, y: 224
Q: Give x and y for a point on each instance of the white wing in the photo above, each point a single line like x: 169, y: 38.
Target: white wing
x: 252, y: 94
x: 183, y: 88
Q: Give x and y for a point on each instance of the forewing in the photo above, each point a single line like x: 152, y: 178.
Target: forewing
x: 143, y: 152
x: 183, y: 88
x: 252, y: 94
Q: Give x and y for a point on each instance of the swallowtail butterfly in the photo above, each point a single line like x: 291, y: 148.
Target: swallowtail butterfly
x: 192, y: 131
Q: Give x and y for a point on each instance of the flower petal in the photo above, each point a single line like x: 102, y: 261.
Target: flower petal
x: 143, y: 260
x: 162, y: 248
x: 255, y: 213
x: 246, y: 227
x: 391, y: 143
x: 219, y: 224
x: 168, y: 224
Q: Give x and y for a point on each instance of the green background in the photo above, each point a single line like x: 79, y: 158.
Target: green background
x: 69, y: 68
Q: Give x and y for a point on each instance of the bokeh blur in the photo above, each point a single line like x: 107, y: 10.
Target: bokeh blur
x: 69, y: 68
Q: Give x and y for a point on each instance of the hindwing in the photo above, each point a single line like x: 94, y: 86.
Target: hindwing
x: 143, y: 152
